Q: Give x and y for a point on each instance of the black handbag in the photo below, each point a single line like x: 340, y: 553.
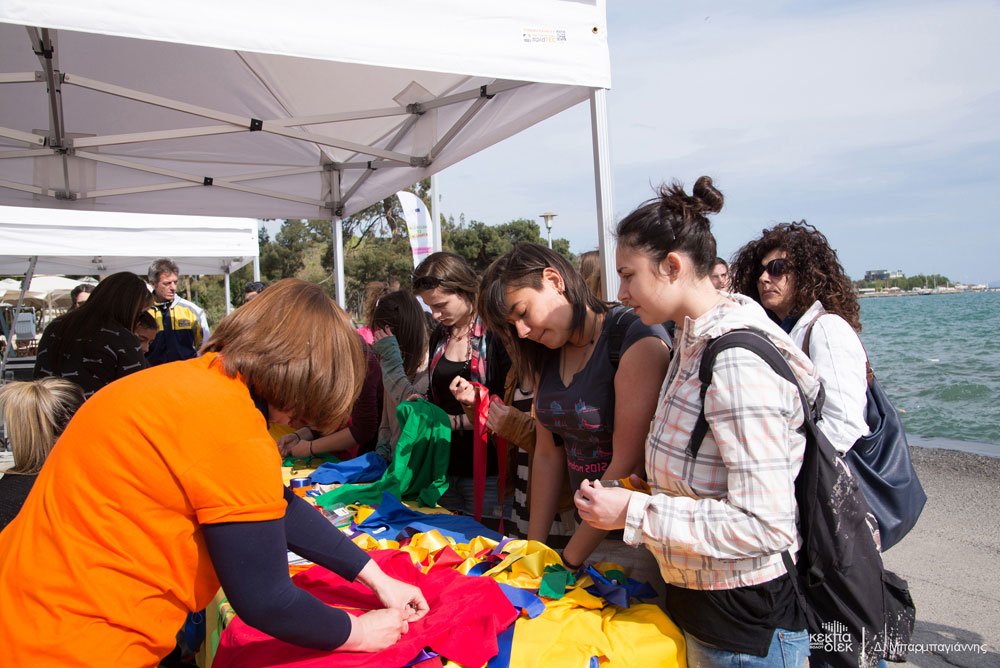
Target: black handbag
x: 881, y: 462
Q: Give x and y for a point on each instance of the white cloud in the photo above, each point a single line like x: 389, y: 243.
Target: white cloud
x: 867, y: 119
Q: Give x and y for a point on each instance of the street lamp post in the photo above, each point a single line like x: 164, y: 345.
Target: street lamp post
x: 547, y: 217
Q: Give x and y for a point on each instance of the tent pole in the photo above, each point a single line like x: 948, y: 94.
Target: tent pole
x: 604, y: 187
x: 435, y: 213
x: 338, y: 238
x: 229, y: 296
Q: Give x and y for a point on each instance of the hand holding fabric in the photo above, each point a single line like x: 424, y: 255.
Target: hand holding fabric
x: 464, y: 391
x: 393, y: 593
x: 496, y: 415
x: 602, y: 507
x: 375, y: 630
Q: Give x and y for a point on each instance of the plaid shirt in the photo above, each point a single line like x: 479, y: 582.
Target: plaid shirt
x: 722, y: 520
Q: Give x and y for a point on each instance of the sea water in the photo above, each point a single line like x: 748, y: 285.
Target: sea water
x: 938, y: 359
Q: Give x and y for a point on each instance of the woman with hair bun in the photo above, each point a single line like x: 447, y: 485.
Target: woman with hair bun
x: 792, y: 271
x: 34, y: 415
x: 719, y: 522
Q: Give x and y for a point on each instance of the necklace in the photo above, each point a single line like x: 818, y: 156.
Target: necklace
x: 468, y: 350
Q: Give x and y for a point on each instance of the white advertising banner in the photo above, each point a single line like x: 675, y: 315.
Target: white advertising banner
x: 418, y: 225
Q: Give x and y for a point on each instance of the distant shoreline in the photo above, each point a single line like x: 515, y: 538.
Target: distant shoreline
x: 929, y: 293
x: 940, y: 443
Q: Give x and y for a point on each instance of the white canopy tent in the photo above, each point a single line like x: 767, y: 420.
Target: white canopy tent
x: 298, y: 109
x: 61, y: 241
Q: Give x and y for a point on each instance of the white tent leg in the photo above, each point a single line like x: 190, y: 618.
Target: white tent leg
x: 604, y: 187
x: 435, y: 213
x: 256, y: 268
x: 229, y: 296
x: 338, y: 260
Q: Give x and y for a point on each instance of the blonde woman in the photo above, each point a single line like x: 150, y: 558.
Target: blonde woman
x: 34, y: 415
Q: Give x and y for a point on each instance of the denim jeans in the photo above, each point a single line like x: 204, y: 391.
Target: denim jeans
x: 789, y: 649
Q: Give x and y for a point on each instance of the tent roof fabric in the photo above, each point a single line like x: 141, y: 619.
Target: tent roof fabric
x: 298, y: 109
x: 88, y: 242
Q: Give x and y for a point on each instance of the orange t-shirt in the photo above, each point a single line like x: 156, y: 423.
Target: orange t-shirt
x: 107, y: 556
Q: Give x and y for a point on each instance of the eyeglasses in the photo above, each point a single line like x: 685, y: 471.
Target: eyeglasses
x: 426, y: 282
x: 776, y: 268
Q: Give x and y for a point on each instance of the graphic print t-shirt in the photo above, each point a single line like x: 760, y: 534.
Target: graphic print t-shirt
x: 582, y: 414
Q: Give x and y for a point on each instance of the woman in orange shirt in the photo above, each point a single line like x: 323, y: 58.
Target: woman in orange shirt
x: 166, y: 484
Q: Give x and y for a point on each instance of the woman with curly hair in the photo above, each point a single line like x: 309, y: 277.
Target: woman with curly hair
x: 795, y: 275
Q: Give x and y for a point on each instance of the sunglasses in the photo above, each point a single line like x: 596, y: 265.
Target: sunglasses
x: 776, y: 268
x: 426, y: 282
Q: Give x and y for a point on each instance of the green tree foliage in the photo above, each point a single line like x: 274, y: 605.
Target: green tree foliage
x: 918, y: 282
x: 377, y: 248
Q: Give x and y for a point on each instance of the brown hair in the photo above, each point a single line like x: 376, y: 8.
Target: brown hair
x: 675, y: 222
x: 297, y: 350
x: 401, y: 313
x: 522, y: 268
x: 447, y: 271
x: 35, y: 414
x: 819, y: 276
x: 591, y: 270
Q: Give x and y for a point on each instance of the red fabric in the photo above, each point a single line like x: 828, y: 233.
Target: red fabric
x: 480, y: 442
x: 466, y: 615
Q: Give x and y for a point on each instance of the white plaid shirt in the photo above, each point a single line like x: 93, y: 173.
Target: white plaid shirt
x: 722, y: 520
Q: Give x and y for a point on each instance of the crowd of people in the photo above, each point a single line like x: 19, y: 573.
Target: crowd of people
x: 166, y: 482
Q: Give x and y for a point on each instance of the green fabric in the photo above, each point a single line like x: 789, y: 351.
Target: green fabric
x: 310, y: 462
x: 419, y: 465
x: 618, y: 577
x: 555, y: 580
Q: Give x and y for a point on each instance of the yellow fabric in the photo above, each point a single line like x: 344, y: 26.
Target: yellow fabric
x: 575, y: 628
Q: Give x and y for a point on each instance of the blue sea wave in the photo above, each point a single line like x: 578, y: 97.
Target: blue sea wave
x: 938, y: 358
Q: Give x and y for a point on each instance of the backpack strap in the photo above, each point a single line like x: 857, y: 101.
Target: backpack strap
x: 616, y: 337
x: 762, y: 347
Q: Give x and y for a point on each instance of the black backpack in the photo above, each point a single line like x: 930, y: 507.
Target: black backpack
x: 858, y: 613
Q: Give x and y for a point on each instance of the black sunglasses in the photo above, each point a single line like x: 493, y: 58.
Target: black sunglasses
x: 776, y: 268
x: 426, y: 282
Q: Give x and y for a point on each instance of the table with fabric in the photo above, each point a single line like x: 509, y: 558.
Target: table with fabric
x: 474, y: 580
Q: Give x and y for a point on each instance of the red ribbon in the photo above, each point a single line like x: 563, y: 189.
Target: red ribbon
x: 480, y: 443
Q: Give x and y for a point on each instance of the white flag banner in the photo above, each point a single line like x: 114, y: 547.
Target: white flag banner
x: 418, y: 225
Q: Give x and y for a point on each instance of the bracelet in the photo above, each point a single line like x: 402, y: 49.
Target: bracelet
x: 569, y: 565
x: 311, y: 453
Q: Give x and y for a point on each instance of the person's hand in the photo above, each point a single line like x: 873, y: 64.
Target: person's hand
x: 376, y: 630
x: 381, y: 333
x: 463, y: 390
x: 287, y: 445
x: 496, y: 415
x: 393, y: 593
x: 403, y: 597
x: 602, y: 507
x: 415, y: 397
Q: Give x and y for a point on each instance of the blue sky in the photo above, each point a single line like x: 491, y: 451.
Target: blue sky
x: 878, y: 122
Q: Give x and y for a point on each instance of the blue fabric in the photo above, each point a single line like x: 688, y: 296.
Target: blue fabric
x: 615, y: 593
x: 788, y: 649
x: 391, y: 519
x: 369, y: 467
x: 424, y: 655
x: 505, y: 641
x: 523, y: 599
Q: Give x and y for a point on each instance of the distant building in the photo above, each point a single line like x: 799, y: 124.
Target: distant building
x: 877, y: 275
x: 897, y: 274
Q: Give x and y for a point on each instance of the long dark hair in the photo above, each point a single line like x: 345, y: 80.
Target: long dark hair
x: 116, y: 301
x: 522, y: 267
x: 819, y: 276
x: 675, y: 222
x: 400, y: 312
